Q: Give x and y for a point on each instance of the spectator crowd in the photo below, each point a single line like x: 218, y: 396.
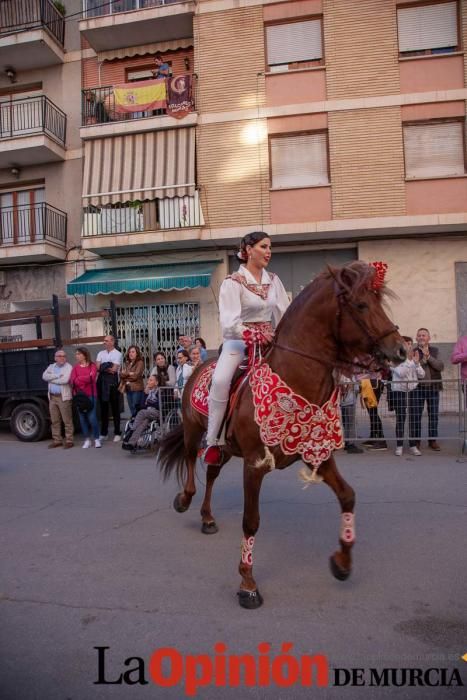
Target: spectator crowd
x: 103, y: 384
x: 411, y: 387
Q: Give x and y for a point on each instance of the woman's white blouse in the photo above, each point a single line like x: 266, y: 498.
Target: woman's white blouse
x: 238, y: 305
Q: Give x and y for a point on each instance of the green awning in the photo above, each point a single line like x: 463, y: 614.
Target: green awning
x: 146, y: 278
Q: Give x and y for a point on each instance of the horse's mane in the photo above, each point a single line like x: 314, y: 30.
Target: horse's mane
x: 352, y: 278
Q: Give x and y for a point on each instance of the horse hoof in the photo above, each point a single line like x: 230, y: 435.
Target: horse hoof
x: 209, y: 528
x: 178, y: 505
x: 337, y: 571
x: 250, y: 599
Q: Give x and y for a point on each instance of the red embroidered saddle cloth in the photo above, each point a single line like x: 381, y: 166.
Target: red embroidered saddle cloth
x: 284, y: 418
x: 290, y: 421
x: 200, y: 393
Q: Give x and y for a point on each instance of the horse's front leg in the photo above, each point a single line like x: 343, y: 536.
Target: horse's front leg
x: 341, y: 561
x: 248, y: 596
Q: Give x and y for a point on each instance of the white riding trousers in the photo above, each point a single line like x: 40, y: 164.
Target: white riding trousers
x: 233, y: 351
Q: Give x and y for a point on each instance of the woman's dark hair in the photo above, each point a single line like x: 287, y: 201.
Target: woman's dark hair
x: 161, y: 373
x: 138, y: 353
x: 250, y: 239
x: 162, y: 354
x: 86, y: 353
x: 202, y: 342
x: 184, y: 353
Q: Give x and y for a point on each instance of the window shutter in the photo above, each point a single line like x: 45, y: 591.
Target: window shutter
x: 434, y: 150
x: 299, y: 161
x: 294, y: 41
x: 427, y: 27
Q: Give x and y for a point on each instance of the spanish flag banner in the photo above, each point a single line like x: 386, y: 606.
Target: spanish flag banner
x: 140, y: 97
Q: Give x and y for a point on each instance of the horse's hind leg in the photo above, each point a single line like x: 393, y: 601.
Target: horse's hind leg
x: 208, y: 526
x: 183, y: 499
x: 341, y: 561
x: 248, y: 595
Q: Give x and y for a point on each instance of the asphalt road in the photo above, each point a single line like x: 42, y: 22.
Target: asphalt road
x: 92, y: 554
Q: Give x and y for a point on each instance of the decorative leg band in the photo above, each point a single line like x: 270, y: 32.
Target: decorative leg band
x: 247, y: 550
x: 347, y: 531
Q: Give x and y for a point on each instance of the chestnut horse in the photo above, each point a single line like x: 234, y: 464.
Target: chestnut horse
x: 337, y: 317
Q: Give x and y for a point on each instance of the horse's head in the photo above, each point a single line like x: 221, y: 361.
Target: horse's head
x: 362, y: 324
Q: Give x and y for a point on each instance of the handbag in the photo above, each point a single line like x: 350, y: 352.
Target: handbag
x: 82, y: 402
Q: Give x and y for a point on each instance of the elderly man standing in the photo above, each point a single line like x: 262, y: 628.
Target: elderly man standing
x: 427, y: 389
x: 60, y: 405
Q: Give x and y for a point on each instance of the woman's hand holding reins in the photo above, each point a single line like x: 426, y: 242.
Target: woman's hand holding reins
x: 255, y: 336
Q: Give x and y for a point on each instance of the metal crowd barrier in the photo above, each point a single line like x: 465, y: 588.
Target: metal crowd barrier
x: 170, y: 408
x: 451, y: 412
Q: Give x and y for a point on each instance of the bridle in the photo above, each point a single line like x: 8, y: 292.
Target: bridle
x: 344, y: 304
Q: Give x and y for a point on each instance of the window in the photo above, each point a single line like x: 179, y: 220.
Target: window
x: 22, y: 216
x: 300, y: 160
x: 294, y: 42
x: 134, y: 75
x: 434, y: 149
x: 428, y: 29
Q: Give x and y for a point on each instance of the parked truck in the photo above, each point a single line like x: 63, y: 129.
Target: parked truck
x: 23, y: 392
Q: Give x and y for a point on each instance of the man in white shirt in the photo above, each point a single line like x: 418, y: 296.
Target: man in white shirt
x: 108, y: 363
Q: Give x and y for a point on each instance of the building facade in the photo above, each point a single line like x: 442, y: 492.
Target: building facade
x: 337, y: 127
x: 40, y: 155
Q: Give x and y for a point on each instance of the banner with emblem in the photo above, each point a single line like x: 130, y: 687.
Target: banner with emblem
x: 141, y: 96
x: 179, y: 96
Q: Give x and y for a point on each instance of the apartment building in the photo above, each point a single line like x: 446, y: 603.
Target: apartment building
x: 338, y: 127
x: 40, y: 154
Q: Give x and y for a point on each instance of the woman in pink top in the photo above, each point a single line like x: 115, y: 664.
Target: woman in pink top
x: 83, y: 379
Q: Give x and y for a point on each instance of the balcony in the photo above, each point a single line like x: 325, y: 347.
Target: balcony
x: 122, y: 23
x: 137, y: 226
x: 32, y: 131
x: 32, y: 233
x: 32, y: 34
x: 98, y: 107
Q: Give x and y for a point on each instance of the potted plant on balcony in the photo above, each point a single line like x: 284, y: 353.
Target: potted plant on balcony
x: 60, y: 7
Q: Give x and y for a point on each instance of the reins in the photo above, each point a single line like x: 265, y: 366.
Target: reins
x: 342, y: 301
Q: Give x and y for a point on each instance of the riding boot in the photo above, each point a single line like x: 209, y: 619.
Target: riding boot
x: 217, y: 411
x: 212, y: 456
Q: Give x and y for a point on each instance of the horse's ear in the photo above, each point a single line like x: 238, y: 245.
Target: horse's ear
x: 332, y: 271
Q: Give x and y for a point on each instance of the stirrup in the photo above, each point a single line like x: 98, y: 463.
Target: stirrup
x: 212, y: 456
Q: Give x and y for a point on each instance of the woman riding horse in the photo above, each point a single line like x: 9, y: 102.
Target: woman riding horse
x: 338, y: 317
x: 248, y: 301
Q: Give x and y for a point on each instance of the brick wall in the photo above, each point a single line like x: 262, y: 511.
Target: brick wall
x: 360, y: 48
x: 366, y: 162
x: 233, y: 172
x: 228, y: 57
x: 464, y: 37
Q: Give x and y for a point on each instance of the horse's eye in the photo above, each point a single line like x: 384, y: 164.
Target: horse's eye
x: 362, y: 306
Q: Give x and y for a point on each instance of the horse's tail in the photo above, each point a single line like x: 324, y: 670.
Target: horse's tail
x: 171, y: 454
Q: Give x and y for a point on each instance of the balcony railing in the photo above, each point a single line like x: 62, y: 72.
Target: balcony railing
x: 29, y: 116
x: 21, y: 15
x: 32, y: 223
x: 98, y: 107
x: 97, y: 8
x: 169, y: 213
